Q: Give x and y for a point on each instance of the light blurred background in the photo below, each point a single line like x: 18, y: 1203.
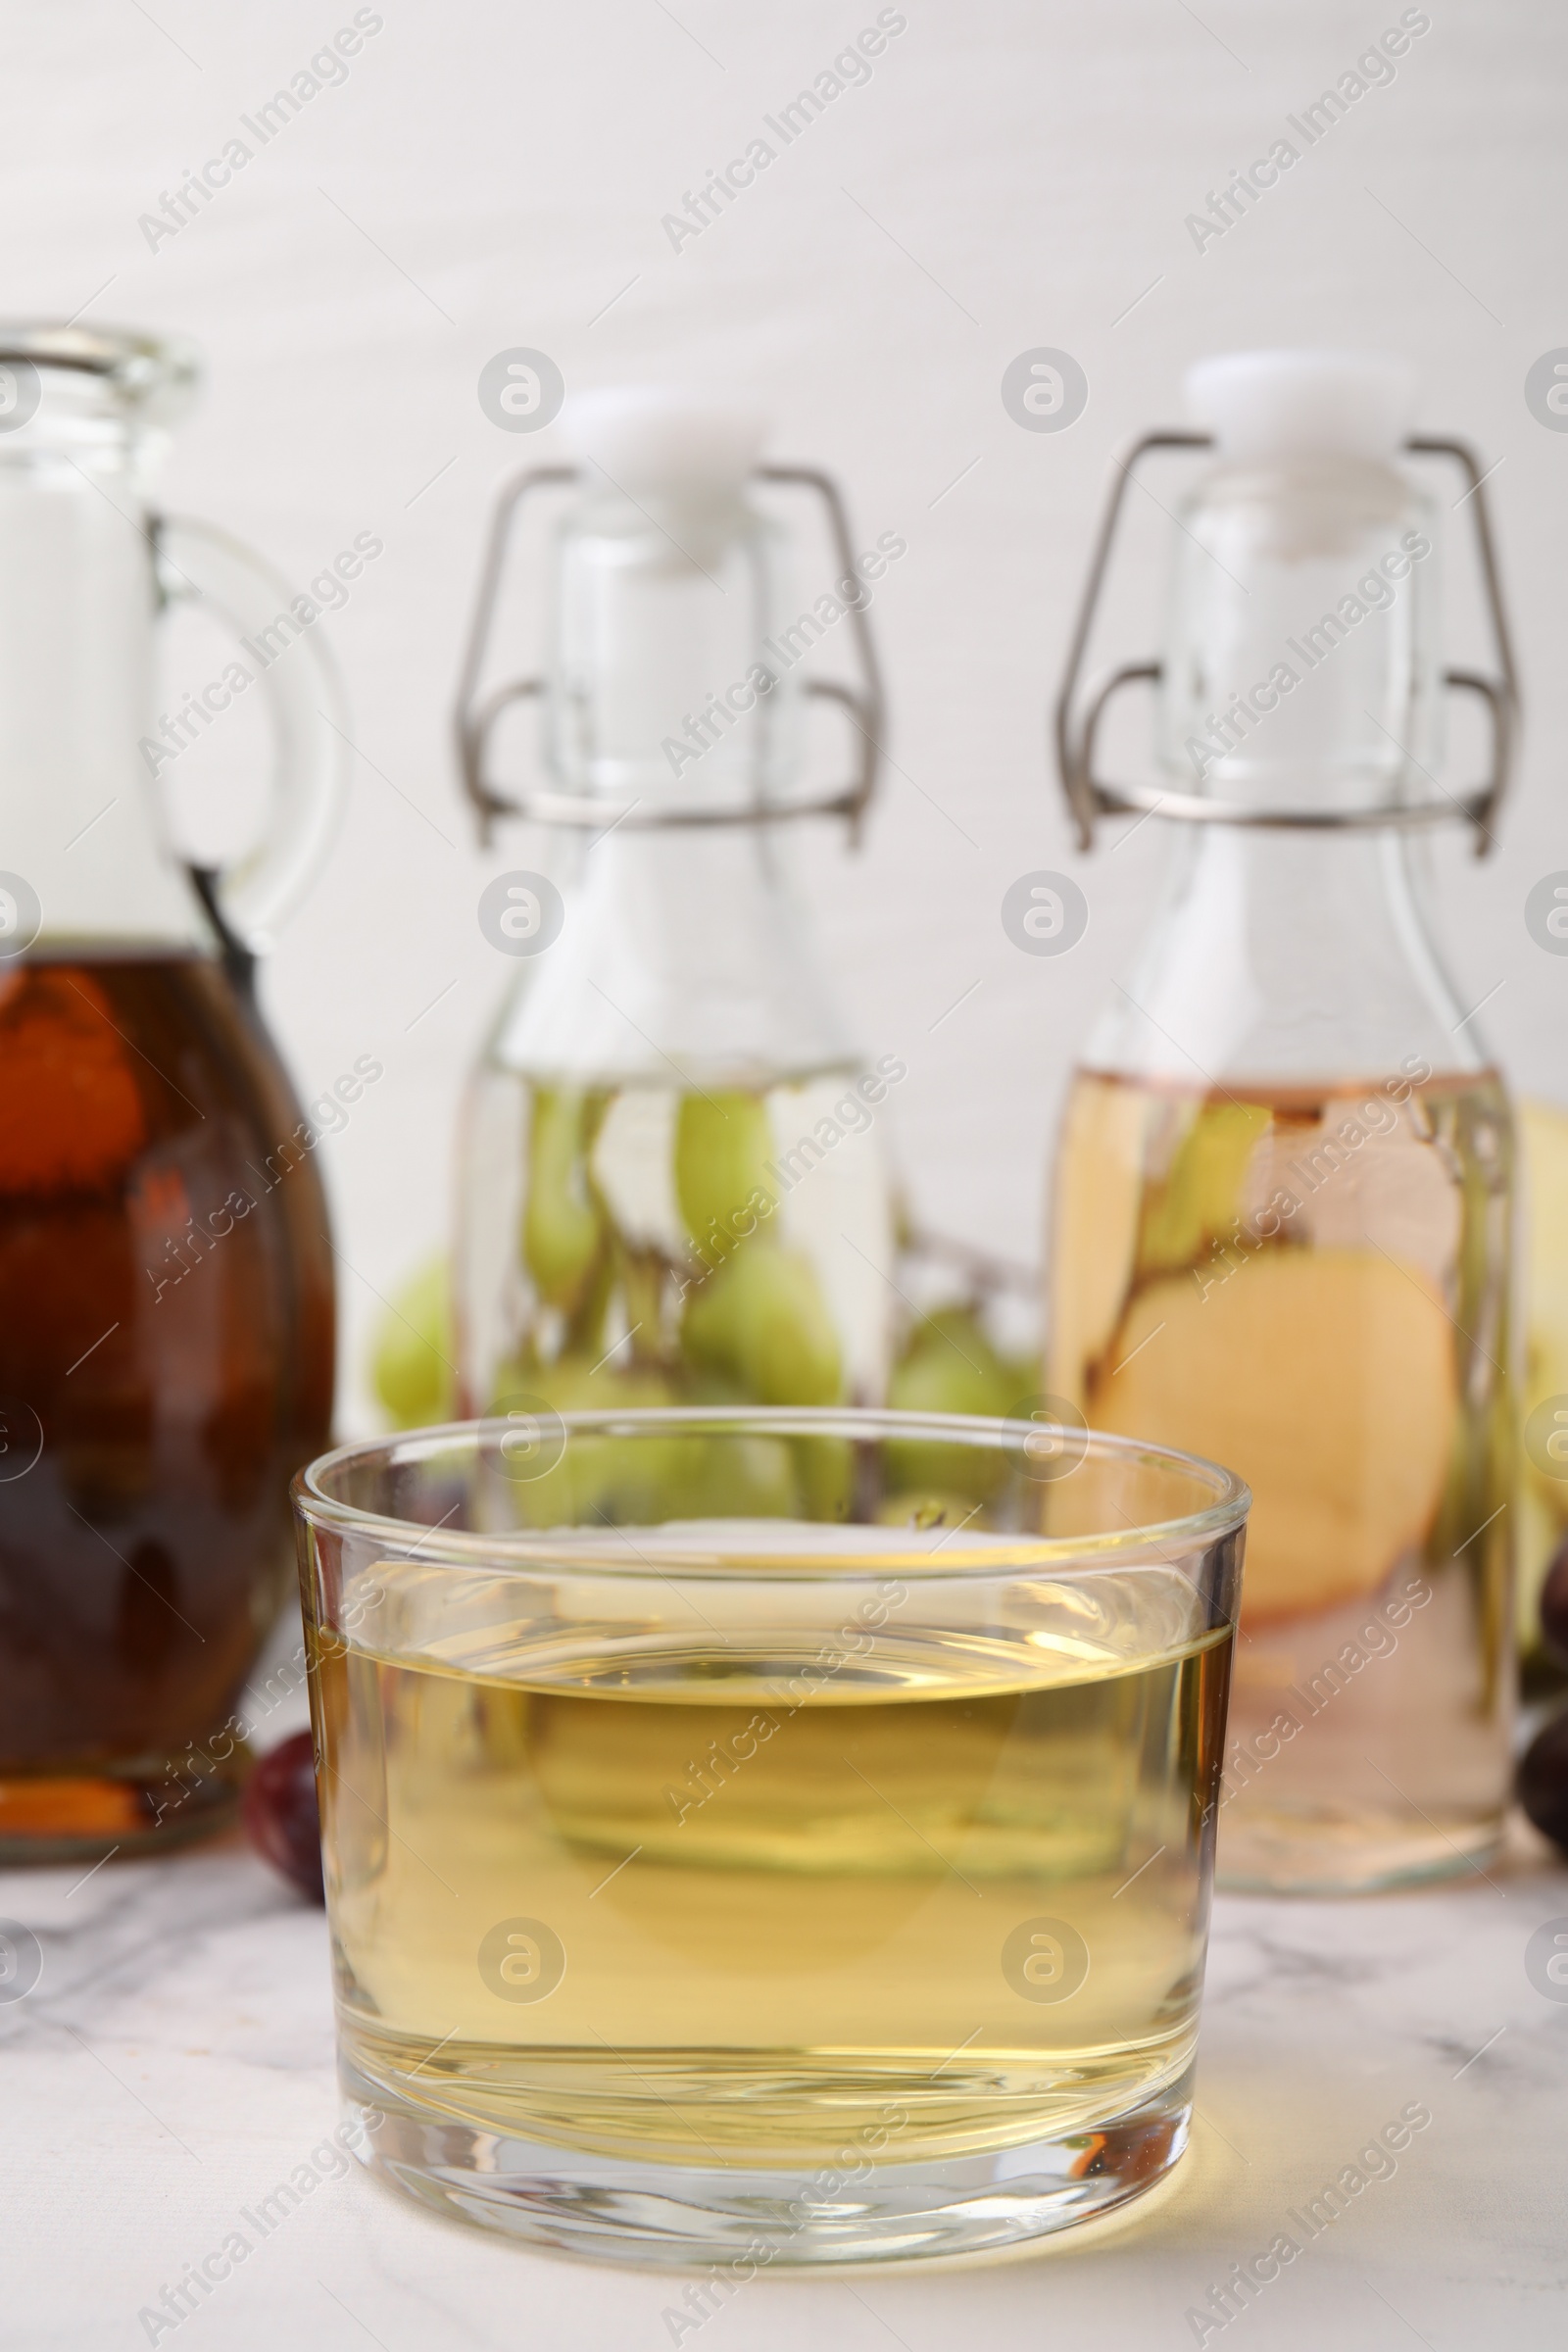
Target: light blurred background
x: 490, y: 175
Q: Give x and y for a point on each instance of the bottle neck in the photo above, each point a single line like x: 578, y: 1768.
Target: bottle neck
x: 1288, y: 957
x: 1301, y: 677
x: 1301, y: 663
x: 686, y: 957
x: 666, y: 687
x: 79, y: 601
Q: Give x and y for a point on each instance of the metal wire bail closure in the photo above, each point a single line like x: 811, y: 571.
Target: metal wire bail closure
x: 1075, y: 726
x: 475, y: 714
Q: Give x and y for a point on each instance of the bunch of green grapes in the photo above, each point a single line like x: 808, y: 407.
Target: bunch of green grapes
x: 742, y: 1320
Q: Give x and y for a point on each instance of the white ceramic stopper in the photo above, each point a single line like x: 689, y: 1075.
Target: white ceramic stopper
x: 1278, y: 404
x: 666, y: 439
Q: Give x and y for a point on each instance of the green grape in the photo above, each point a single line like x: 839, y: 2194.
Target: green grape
x: 573, y: 1385
x: 644, y: 1482
x: 412, y: 1351
x: 761, y: 1318
x: 606, y: 1480
x: 723, y: 1145
x: 562, y: 1229
x: 825, y: 1470
x: 926, y: 1507
x: 951, y: 1368
x: 731, y: 1478
x: 702, y: 1385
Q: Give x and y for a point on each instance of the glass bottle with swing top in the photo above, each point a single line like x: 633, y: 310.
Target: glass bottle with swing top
x: 1281, y: 1220
x: 672, y: 1185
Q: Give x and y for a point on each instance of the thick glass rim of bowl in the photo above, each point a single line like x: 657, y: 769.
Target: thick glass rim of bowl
x: 1046, y: 1450
x: 763, y: 1838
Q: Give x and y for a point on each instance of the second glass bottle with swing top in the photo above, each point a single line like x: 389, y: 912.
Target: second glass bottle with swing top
x: 672, y: 1190
x: 1280, y: 1224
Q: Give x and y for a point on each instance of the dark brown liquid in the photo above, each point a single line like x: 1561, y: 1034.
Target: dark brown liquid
x: 165, y: 1366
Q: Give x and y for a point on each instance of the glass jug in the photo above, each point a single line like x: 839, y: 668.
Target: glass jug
x: 671, y: 1186
x: 1282, y: 1209
x: 165, y: 1285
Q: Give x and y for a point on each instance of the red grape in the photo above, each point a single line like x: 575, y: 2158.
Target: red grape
x: 280, y: 1814
x: 1543, y: 1781
x: 1554, y: 1608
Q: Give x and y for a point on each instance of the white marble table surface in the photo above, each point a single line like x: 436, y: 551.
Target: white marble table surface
x: 174, y: 2062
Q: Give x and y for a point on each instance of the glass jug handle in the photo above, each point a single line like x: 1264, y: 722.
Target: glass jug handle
x: 252, y: 899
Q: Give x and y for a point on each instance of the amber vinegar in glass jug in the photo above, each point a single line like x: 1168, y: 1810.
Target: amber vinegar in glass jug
x: 166, y: 1283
